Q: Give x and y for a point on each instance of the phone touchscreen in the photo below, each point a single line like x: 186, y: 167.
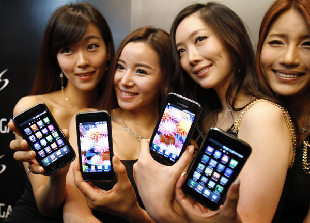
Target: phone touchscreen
x: 44, y: 136
x: 172, y: 132
x: 217, y: 165
x: 95, y: 150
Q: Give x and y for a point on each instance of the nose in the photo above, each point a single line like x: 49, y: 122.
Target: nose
x: 82, y: 59
x: 193, y: 56
x: 127, y: 79
x: 290, y: 56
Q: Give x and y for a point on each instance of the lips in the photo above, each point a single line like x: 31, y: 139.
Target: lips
x: 288, y: 74
x: 201, y: 71
x: 127, y: 93
x: 85, y: 74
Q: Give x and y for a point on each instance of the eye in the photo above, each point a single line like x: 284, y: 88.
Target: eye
x: 120, y: 67
x: 200, y: 38
x: 306, y: 44
x: 92, y: 46
x: 141, y: 71
x: 275, y: 43
x: 180, y: 52
x: 66, y: 51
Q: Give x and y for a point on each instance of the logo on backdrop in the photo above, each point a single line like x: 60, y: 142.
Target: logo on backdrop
x: 2, y: 166
x: 4, y: 129
x: 3, y: 82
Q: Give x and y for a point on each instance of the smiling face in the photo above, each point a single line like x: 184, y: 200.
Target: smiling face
x: 83, y: 63
x: 137, y: 77
x: 202, y: 54
x: 285, y: 55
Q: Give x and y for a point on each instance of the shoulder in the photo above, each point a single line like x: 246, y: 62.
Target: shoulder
x: 26, y: 103
x: 265, y: 111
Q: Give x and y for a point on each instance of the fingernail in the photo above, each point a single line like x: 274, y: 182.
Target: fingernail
x: 183, y: 174
x: 237, y: 181
x: 191, y: 149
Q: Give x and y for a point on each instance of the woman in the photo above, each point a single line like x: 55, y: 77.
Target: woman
x: 76, y: 48
x: 282, y: 62
x: 216, y: 66
x: 139, y: 82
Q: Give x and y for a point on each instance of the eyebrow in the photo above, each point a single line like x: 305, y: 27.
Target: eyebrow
x: 91, y: 37
x: 285, y: 36
x: 138, y: 64
x: 191, y: 35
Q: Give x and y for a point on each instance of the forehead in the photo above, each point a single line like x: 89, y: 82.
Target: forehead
x: 139, y: 52
x: 191, y: 24
x: 290, y: 22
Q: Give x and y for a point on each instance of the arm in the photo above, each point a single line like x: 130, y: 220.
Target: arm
x: 263, y: 176
x: 120, y: 200
x: 76, y: 209
x: 156, y: 184
x: 49, y: 191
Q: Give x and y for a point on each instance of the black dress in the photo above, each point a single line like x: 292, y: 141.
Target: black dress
x: 26, y: 209
x: 295, y: 200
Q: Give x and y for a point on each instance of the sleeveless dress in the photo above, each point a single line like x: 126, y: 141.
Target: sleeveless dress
x: 295, y: 199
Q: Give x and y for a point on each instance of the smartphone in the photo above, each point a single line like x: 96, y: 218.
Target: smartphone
x: 94, y: 138
x: 174, y: 128
x: 43, y: 135
x: 215, y: 168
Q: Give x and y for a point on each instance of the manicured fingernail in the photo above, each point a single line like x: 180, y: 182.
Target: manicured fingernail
x: 191, y: 149
x: 237, y: 181
x: 183, y: 174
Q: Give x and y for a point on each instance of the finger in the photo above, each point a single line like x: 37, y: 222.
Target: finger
x: 183, y: 200
x: 144, y: 153
x: 231, y: 202
x: 12, y: 127
x: 25, y: 156
x: 185, y: 159
x: 36, y: 168
x: 19, y: 144
x: 120, y: 170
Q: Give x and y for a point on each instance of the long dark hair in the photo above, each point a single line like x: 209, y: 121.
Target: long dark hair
x: 159, y: 41
x: 67, y: 25
x: 230, y: 29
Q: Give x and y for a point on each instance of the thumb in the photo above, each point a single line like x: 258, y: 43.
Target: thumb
x: 231, y: 202
x: 185, y: 159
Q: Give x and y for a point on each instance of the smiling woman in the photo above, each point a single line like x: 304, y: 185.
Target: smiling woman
x: 76, y: 48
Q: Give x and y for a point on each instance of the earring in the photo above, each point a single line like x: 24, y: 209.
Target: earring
x: 61, y: 76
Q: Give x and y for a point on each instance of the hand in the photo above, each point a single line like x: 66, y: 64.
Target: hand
x: 197, y: 213
x: 24, y: 154
x: 156, y: 183
x: 120, y: 200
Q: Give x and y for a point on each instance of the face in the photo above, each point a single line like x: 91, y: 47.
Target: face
x: 137, y: 77
x: 202, y: 54
x: 83, y: 63
x: 285, y: 55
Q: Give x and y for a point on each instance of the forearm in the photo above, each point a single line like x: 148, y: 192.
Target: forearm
x: 51, y: 195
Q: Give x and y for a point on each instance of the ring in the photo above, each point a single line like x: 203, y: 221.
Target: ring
x: 29, y: 170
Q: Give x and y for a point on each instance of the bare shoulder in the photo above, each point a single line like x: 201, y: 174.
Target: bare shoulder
x: 264, y: 111
x: 25, y: 103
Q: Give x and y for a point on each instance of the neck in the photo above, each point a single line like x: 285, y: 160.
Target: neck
x: 78, y: 99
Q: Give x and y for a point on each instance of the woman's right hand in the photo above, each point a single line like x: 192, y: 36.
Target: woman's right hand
x: 22, y: 152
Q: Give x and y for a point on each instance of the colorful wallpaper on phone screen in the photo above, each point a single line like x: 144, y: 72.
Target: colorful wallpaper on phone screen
x: 172, y: 131
x: 95, y: 147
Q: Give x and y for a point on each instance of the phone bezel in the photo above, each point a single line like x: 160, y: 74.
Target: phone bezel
x: 96, y: 116
x: 31, y: 113
x: 183, y: 102
x: 225, y: 139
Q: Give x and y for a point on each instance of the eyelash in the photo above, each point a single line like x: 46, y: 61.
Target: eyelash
x: 92, y: 46
x: 200, y: 38
x: 120, y: 67
x: 141, y: 71
x: 275, y: 42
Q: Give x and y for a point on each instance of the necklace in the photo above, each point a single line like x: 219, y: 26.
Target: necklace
x: 305, y: 163
x: 226, y: 116
x: 305, y: 129
x: 127, y: 129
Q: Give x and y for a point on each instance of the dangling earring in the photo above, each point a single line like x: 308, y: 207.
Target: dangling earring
x: 61, y: 76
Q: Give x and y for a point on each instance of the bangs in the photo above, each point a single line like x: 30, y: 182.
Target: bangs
x: 69, y: 29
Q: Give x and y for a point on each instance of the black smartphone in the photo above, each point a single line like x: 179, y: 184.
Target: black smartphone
x: 94, y: 138
x: 39, y: 128
x: 174, y: 128
x: 215, y: 168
